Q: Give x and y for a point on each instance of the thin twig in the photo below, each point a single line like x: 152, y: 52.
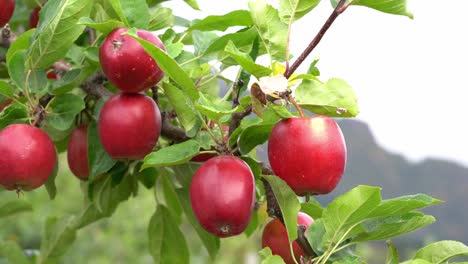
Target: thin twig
x: 338, y: 10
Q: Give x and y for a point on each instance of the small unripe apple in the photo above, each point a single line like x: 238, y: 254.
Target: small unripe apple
x: 222, y: 194
x: 6, y: 11
x: 34, y: 17
x: 27, y: 157
x: 126, y: 64
x: 129, y: 126
x: 275, y: 237
x: 309, y: 154
x: 77, y: 152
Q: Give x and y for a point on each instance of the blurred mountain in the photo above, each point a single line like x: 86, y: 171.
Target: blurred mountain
x: 370, y: 164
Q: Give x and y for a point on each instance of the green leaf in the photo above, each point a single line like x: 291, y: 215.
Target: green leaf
x: 392, y: 226
x: 166, y: 242
x: 312, y: 208
x: 441, y: 251
x: 280, y: 110
x: 13, y: 253
x: 14, y: 206
x: 193, y: 4
x: 267, y: 257
x: 223, y: 22
x: 58, y: 237
x: 348, y: 210
x: 67, y: 82
x: 404, y: 204
x: 292, y: 10
x: 107, y: 194
x: 88, y: 215
x: 63, y: 110
x: 136, y: 12
x: 172, y: 155
x: 161, y: 17
x: 215, y: 108
x: 273, y: 32
x: 202, y: 41
x: 316, y: 234
x: 392, y: 254
x: 6, y: 90
x: 50, y: 183
x: 288, y: 203
x: 242, y: 40
x: 396, y: 7
x: 98, y: 159
x: 13, y: 114
x: 334, y: 98
x: 118, y: 9
x: 254, y: 136
x: 21, y: 43
x: 17, y: 70
x: 170, y: 196
x: 186, y: 113
x: 57, y: 32
x: 104, y: 27
x: 246, y: 62
x: 147, y: 176
x: 170, y: 67
x: 417, y: 261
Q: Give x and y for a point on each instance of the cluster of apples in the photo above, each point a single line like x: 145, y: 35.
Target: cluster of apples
x: 129, y: 123
x: 308, y: 153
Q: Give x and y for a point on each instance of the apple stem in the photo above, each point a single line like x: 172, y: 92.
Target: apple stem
x: 338, y: 10
x: 299, y: 109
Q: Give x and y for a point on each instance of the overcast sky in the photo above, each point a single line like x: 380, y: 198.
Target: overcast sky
x: 409, y: 75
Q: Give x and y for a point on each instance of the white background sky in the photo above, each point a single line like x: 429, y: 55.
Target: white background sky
x: 409, y: 75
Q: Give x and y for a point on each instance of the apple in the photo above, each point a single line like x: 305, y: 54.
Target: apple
x: 275, y: 237
x: 309, y: 154
x: 51, y: 75
x: 222, y: 194
x: 27, y: 157
x: 34, y: 17
x: 77, y: 152
x: 126, y: 64
x: 6, y: 11
x: 129, y: 126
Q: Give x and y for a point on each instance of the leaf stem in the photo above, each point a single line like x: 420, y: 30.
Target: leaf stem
x: 299, y: 109
x: 338, y: 10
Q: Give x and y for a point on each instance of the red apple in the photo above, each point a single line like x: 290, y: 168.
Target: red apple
x: 34, y: 17
x: 308, y: 153
x: 275, y: 237
x: 27, y: 157
x: 77, y: 153
x: 129, y: 126
x: 126, y: 64
x: 6, y: 11
x: 222, y: 194
x: 51, y: 75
